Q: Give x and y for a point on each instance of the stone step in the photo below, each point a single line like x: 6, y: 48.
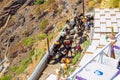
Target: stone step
x: 102, y: 19
x: 85, y: 58
x: 103, y: 40
x: 95, y: 42
x: 91, y: 49
x: 97, y: 23
x: 97, y: 29
x: 100, y: 46
x: 96, y: 35
x: 95, y: 39
x: 88, y: 52
x: 103, y: 28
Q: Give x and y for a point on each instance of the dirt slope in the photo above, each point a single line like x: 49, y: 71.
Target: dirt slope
x: 26, y: 23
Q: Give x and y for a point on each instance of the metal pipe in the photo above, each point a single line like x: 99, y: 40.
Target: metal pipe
x: 48, y: 44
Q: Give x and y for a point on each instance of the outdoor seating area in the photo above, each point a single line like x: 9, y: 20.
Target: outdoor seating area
x: 69, y: 44
x: 71, y: 38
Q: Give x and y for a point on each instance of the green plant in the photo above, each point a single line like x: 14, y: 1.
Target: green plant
x: 75, y: 59
x: 40, y: 52
x: 39, y: 2
x: 32, y: 52
x: 7, y: 77
x: 43, y: 24
x: 98, y: 1
x: 24, y: 65
x: 35, y: 56
x: 49, y: 1
x: 14, y: 68
x: 50, y: 37
x: 86, y: 43
x: 41, y: 36
x: 69, y: 70
x: 26, y: 61
x: 21, y: 69
x: 28, y: 41
x: 113, y: 3
x: 91, y: 4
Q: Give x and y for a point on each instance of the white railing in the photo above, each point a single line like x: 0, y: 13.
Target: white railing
x: 96, y: 55
x: 36, y: 72
x: 91, y: 34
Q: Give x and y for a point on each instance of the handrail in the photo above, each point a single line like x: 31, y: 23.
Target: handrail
x: 34, y: 74
x: 81, y: 68
x: 91, y: 34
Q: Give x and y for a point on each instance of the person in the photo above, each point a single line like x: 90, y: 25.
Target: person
x: 75, y: 37
x: 58, y: 58
x: 75, y: 11
x: 64, y: 52
x: 78, y: 48
x: 86, y: 25
x: 57, y: 45
x: 61, y: 39
x: 67, y: 22
x: 76, y: 29
x: 65, y: 60
x: 72, y: 31
x: 118, y: 67
x: 67, y: 45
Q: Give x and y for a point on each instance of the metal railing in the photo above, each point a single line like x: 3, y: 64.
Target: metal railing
x: 96, y: 55
x: 91, y: 34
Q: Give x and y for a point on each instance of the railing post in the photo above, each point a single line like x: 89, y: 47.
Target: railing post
x: 48, y: 44
x: 101, y: 57
x: 91, y: 34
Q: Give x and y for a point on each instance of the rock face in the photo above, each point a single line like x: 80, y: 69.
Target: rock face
x: 25, y: 24
x: 1, y: 0
x: 11, y: 9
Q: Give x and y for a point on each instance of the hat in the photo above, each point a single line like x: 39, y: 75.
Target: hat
x: 83, y: 20
x: 57, y: 43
